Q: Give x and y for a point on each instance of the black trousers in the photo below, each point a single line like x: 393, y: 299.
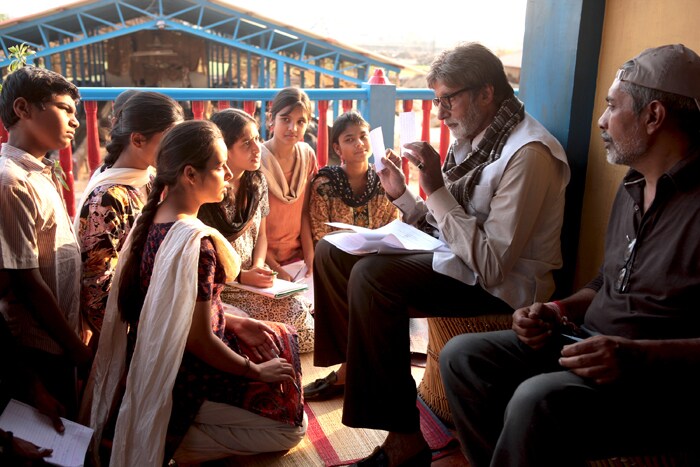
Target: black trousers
x: 513, y: 405
x: 362, y: 308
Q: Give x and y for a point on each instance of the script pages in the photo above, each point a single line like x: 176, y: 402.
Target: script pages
x: 26, y: 422
x: 298, y: 272
x: 396, y: 237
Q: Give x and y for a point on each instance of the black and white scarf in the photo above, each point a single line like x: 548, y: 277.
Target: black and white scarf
x: 232, y: 215
x: 460, y: 179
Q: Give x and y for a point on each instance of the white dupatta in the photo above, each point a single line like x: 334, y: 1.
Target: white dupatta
x: 164, y: 324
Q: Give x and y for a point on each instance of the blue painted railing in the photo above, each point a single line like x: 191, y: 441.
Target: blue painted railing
x: 378, y: 103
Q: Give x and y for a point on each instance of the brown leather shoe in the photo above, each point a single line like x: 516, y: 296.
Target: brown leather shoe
x: 324, y: 388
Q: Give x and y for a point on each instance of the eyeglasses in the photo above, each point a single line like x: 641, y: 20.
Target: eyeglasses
x: 446, y: 101
x: 623, y: 277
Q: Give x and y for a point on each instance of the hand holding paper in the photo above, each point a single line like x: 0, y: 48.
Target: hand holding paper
x: 407, y: 134
x: 28, y: 423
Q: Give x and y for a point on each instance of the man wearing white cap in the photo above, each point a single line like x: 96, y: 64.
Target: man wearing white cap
x: 551, y: 393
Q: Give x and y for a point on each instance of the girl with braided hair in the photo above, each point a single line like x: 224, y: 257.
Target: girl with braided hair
x: 198, y: 384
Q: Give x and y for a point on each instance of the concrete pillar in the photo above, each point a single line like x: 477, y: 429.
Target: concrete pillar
x: 381, y: 106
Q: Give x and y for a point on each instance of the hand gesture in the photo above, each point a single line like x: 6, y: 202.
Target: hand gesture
x: 282, y: 274
x: 392, y: 177
x: 426, y: 158
x: 24, y: 449
x: 534, y: 324
x: 604, y: 359
x: 256, y: 336
x: 258, y: 277
x: 309, y: 263
x: 275, y: 370
x: 48, y: 405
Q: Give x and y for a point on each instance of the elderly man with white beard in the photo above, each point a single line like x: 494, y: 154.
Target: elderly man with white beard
x: 611, y: 370
x: 497, y: 203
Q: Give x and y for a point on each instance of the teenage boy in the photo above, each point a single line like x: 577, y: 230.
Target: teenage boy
x: 39, y: 256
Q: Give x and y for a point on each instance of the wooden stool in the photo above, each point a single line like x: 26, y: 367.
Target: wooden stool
x: 440, y: 330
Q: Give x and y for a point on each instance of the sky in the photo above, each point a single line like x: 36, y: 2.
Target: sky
x: 498, y: 24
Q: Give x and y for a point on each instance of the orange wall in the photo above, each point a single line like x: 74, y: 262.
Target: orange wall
x: 629, y: 27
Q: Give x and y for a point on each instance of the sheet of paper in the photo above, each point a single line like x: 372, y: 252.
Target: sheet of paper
x: 353, y: 243
x: 354, y: 228
x: 376, y: 140
x: 298, y: 269
x: 367, y: 234
x: 407, y: 129
x: 397, y: 235
x: 26, y: 422
x: 402, y: 235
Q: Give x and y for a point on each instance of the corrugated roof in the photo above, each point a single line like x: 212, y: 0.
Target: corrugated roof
x: 88, y: 20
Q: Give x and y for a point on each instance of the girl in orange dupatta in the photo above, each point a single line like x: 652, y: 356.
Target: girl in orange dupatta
x: 288, y: 164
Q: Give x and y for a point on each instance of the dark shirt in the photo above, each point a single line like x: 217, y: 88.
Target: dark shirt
x: 661, y: 278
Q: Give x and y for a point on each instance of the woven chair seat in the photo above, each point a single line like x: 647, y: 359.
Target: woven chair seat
x: 440, y: 330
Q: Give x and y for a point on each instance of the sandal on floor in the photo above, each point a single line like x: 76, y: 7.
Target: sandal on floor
x: 324, y: 388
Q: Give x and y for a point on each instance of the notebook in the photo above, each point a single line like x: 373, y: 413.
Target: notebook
x: 280, y: 288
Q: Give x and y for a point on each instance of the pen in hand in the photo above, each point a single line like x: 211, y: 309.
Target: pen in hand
x: 299, y: 275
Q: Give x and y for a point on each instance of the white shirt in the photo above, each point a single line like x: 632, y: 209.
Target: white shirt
x: 36, y: 232
x: 508, y: 240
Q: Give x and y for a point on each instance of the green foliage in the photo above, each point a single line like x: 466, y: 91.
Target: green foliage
x: 60, y: 174
x: 18, y: 57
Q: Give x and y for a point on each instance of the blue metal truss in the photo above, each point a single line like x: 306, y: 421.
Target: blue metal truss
x: 91, y: 22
